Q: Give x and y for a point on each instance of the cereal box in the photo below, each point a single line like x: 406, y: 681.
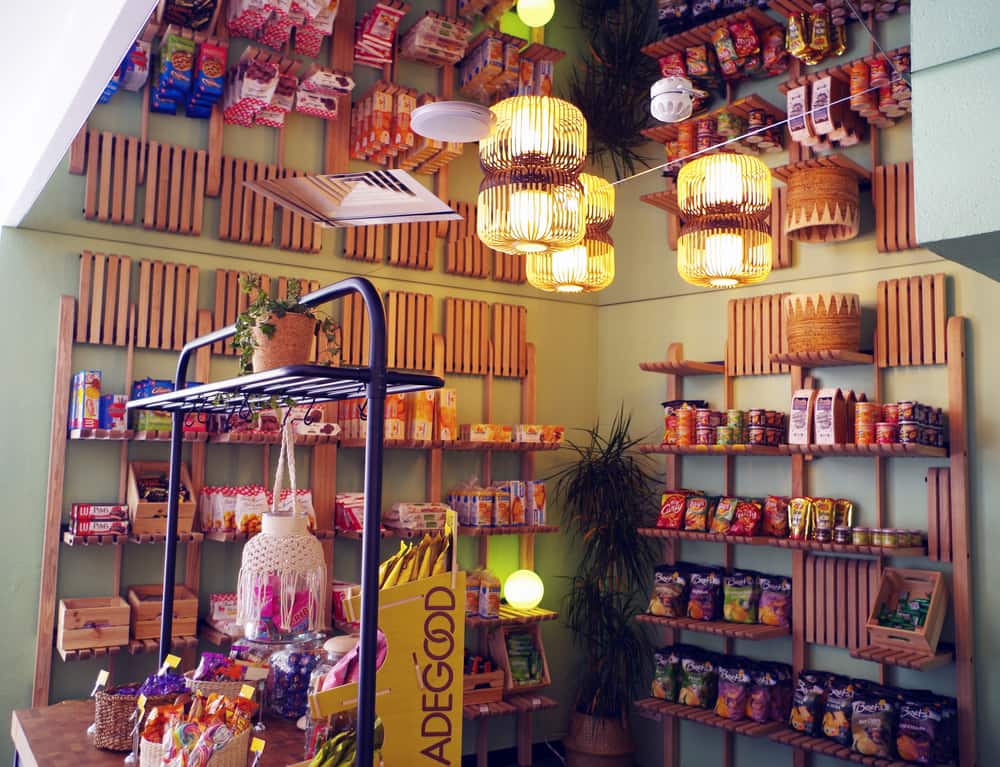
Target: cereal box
x: 446, y: 414
x: 421, y: 416
x: 85, y: 400
x: 536, y: 502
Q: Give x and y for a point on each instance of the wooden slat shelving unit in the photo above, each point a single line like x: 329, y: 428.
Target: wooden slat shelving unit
x: 750, y: 631
x: 783, y: 543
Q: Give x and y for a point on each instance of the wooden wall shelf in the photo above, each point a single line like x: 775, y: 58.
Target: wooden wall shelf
x: 703, y: 32
x: 906, y: 659
x: 164, y: 436
x: 788, y: 7
x: 684, y: 367
x: 509, y: 530
x: 750, y: 631
x: 795, y: 739
x: 719, y: 450
x: 895, y: 450
x: 515, y: 704
x: 510, y: 616
x: 134, y: 647
x: 824, y: 359
x: 101, y: 434
x: 782, y: 543
x: 395, y: 444
x: 117, y: 540
x: 503, y: 447
x: 840, y: 71
x: 667, y: 132
x: 654, y: 708
x: 213, y: 635
x: 784, y: 172
x: 232, y: 536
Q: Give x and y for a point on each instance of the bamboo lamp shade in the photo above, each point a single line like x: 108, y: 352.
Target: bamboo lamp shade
x: 724, y: 184
x: 530, y: 211
x: 538, y: 131
x: 823, y: 205
x: 584, y: 268
x: 724, y: 252
x: 600, y: 200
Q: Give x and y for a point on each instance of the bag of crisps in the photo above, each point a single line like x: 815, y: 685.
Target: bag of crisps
x: 739, y: 597
x: 807, y: 702
x: 698, y: 680
x: 725, y: 513
x: 670, y: 584
x: 837, y: 709
x: 734, y: 689
x: 666, y: 669
x: 873, y: 721
x: 775, y: 607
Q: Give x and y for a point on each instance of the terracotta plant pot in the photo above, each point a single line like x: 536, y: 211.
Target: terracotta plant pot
x: 598, y: 742
x: 290, y: 344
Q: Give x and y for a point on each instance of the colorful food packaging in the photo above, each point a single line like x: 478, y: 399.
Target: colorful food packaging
x: 489, y: 595
x: 796, y: 41
x: 873, y: 721
x: 725, y: 51
x: 820, y: 41
x: 807, y: 702
x: 672, y: 511
x: 734, y: 690
x: 946, y: 745
x: 763, y: 687
x: 775, y: 57
x: 698, y: 680
x: 775, y: 608
x: 446, y: 415
x: 837, y: 709
x: 919, y: 729
x: 824, y: 519
x: 704, y: 596
x: 85, y: 400
x: 775, y: 517
x: 799, y: 518
x: 670, y: 584
x: 747, y: 519
x: 675, y: 64
x: 473, y: 579
x: 745, y: 39
x: 536, y: 500
x: 696, y: 512
x: 843, y: 513
x: 725, y: 513
x: 666, y: 670
x: 740, y: 598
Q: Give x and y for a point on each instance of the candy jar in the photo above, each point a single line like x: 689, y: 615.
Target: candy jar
x: 288, y: 680
x: 334, y: 649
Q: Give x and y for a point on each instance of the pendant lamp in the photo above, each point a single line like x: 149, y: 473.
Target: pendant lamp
x: 536, y: 13
x: 530, y: 210
x: 724, y: 184
x: 584, y: 268
x: 724, y: 252
x: 536, y: 131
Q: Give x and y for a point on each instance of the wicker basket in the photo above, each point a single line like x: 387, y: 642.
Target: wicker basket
x: 229, y: 689
x: 823, y: 322
x: 234, y: 754
x: 823, y: 205
x: 290, y: 344
x: 113, y: 717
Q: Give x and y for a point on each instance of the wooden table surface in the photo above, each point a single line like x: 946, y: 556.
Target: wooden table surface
x: 55, y: 736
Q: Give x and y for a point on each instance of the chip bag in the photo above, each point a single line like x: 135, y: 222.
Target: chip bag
x: 775, y: 607
x: 696, y: 513
x: 919, y: 729
x: 837, y: 709
x: 669, y: 599
x: 672, y: 506
x: 703, y: 600
x: 725, y: 513
x: 763, y: 686
x: 698, y: 680
x: 774, y: 521
x: 747, y: 519
x: 873, y: 720
x: 666, y: 670
x: 734, y: 690
x: 740, y: 597
x: 807, y: 702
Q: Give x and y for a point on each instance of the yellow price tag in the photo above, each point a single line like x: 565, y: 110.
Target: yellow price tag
x: 172, y: 660
x: 256, y: 745
x: 141, y: 703
x: 247, y: 691
x: 102, y: 677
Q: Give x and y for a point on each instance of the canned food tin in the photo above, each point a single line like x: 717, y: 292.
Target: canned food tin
x: 916, y: 538
x: 773, y: 418
x: 734, y: 418
x: 705, y: 435
x: 757, y: 417
x: 935, y: 417
x: 757, y: 435
x: 890, y: 412
x: 723, y: 435
x: 686, y: 138
x: 868, y: 413
x: 864, y: 434
x: 823, y: 536
x: 877, y: 536
x: 702, y: 417
x: 861, y: 536
x: 670, y: 433
x: 885, y: 433
x: 773, y: 436
x: 878, y: 74
x: 909, y: 432
x: 890, y: 538
x: 707, y: 127
x: 842, y: 535
x: 939, y: 438
x: 907, y: 411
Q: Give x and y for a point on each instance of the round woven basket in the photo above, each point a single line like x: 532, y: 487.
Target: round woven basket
x: 823, y: 205
x: 234, y: 754
x: 823, y: 322
x: 290, y: 344
x: 113, y: 717
x: 229, y: 689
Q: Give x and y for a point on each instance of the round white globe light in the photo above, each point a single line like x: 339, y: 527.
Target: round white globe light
x: 523, y: 590
x: 536, y: 13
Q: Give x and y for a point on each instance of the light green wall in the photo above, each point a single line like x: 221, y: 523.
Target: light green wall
x: 40, y: 263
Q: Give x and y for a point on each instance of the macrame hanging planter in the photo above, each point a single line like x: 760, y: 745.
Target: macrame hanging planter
x: 282, y: 585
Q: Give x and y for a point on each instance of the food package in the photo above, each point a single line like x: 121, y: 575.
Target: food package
x: 837, y: 710
x: 251, y: 505
x: 672, y: 510
x: 489, y: 595
x: 740, y: 598
x: 734, y: 690
x: 775, y: 519
x: 111, y: 412
x: 775, y: 606
x: 85, y: 400
x: 527, y: 433
x: 747, y: 519
x: 99, y: 519
x: 670, y: 585
x: 873, y: 722
x: 446, y: 415
x: 536, y: 495
x: 807, y: 702
x: 799, y: 518
x: 416, y: 516
x: 698, y: 683
x: 666, y: 671
x: 696, y: 512
x: 395, y: 416
x: 516, y: 492
x: 421, y: 416
x: 473, y: 581
x: 705, y: 594
x: 725, y: 513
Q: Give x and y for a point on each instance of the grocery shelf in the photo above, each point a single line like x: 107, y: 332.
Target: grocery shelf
x: 784, y: 543
x: 101, y: 434
x: 826, y: 747
x: 134, y: 647
x: 164, y: 436
x: 269, y: 438
x: 702, y: 33
x: 515, y: 704
x: 715, y: 449
x: 654, y: 708
x: 894, y: 450
x: 823, y: 359
x: 684, y: 367
x: 230, y: 536
x: 118, y: 539
x: 510, y: 616
x: 784, y: 172
x: 507, y: 447
x: 407, y: 444
x: 906, y: 658
x: 508, y: 530
x: 667, y: 132
x: 750, y: 631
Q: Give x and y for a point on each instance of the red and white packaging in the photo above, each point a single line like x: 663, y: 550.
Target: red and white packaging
x: 341, y: 591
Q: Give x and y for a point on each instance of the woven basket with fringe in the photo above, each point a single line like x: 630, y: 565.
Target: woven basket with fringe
x: 233, y: 755
x: 229, y: 689
x: 823, y: 322
x: 113, y: 717
x: 822, y: 205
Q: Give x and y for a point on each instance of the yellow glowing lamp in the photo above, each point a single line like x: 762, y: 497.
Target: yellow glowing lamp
x: 536, y: 13
x: 523, y: 590
x: 724, y: 253
x: 724, y: 184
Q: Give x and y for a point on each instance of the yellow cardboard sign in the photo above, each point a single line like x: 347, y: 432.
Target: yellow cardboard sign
x: 257, y: 745
x: 247, y: 691
x: 418, y: 690
x: 172, y: 660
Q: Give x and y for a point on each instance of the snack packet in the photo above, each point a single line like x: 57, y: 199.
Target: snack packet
x: 775, y: 608
x: 843, y: 513
x: 919, y: 729
x: 703, y: 601
x: 672, y: 506
x: 807, y: 702
x: 725, y: 51
x: 696, y: 513
x: 763, y: 686
x: 823, y: 518
x: 774, y: 521
x: 745, y: 39
x: 740, y: 597
x: 873, y: 720
x: 725, y: 512
x: 666, y: 668
x: 799, y: 518
x: 734, y: 690
x: 669, y: 597
x: 698, y: 680
x: 747, y: 519
x: 837, y: 709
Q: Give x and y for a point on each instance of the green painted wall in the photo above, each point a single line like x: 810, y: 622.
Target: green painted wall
x: 40, y: 263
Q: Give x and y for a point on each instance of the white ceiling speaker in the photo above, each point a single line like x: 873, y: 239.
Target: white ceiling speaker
x: 458, y: 121
x: 670, y: 99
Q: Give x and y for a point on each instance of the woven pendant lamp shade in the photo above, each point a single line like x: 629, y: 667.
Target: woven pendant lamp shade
x: 724, y: 253
x: 823, y: 205
x: 600, y: 201
x: 537, y: 131
x: 724, y: 184
x: 530, y: 211
x: 584, y: 268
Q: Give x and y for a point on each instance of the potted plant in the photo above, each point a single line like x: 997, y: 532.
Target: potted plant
x: 274, y: 332
x: 608, y: 494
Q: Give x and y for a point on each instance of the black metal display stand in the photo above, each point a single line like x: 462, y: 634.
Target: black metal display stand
x: 300, y: 384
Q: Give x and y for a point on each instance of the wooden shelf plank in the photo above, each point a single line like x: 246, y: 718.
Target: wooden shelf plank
x: 895, y: 450
x: 715, y: 449
x: 395, y: 444
x: 164, y: 436
x: 667, y: 132
x: 788, y: 7
x: 515, y: 704
x: 118, y: 540
x: 750, y: 631
x: 905, y: 658
x: 795, y: 739
x: 502, y: 447
x: 784, y: 172
x: 654, y: 708
x: 213, y: 635
x: 219, y: 536
x: 823, y: 359
x: 101, y: 434
x: 134, y: 647
x: 664, y: 200
x: 703, y: 32
x: 784, y: 543
x: 510, y: 616
x: 684, y: 368
x: 841, y: 71
x: 510, y: 530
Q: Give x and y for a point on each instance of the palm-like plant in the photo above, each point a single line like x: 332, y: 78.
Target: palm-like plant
x: 608, y: 494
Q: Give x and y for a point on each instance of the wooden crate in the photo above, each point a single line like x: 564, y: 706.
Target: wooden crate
x: 498, y: 650
x: 482, y: 688
x: 92, y: 622
x: 146, y: 614
x: 147, y: 517
x: 916, y: 583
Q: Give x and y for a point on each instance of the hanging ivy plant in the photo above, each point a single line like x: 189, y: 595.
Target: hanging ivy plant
x: 612, y: 85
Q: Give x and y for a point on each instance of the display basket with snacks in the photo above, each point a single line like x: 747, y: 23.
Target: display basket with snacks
x: 909, y: 611
x: 114, y: 715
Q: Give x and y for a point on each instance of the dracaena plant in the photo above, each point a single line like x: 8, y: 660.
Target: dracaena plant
x: 608, y: 494
x: 260, y: 310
